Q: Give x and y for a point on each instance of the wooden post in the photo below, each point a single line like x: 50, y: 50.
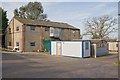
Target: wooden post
x: 94, y: 50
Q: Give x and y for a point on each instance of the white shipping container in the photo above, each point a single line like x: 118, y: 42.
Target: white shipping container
x: 71, y: 48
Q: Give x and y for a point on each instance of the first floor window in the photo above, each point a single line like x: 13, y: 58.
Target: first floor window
x: 73, y: 31
x: 32, y: 28
x: 32, y: 43
x: 46, y: 28
x: 51, y: 30
x: 17, y: 43
x: 9, y: 30
x: 17, y: 28
x: 116, y: 45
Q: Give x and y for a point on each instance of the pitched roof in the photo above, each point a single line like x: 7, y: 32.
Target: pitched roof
x: 44, y: 23
x: 98, y: 41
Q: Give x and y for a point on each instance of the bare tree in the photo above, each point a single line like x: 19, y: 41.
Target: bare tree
x: 100, y: 27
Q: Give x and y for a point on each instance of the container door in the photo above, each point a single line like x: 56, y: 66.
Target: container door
x: 87, y: 49
x: 58, y: 48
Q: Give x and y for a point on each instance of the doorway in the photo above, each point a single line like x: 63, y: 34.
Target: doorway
x: 58, y: 48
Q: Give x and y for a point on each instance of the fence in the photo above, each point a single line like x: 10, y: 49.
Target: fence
x: 98, y: 51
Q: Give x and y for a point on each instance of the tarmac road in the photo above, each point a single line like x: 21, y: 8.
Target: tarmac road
x: 15, y: 65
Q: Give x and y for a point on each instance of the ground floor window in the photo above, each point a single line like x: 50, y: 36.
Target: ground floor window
x: 32, y: 43
x: 116, y: 45
x: 9, y: 43
x: 17, y: 43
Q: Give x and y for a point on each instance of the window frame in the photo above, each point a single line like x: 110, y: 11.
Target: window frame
x: 32, y: 28
x: 32, y: 43
x: 86, y: 46
x: 10, y: 44
x: 47, y: 28
x: 9, y: 30
x: 117, y: 45
x: 17, y: 44
x: 17, y: 28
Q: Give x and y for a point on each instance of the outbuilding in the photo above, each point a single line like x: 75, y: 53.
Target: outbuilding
x: 75, y: 48
x: 99, y: 47
x: 113, y: 46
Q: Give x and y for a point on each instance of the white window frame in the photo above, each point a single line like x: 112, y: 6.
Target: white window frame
x: 32, y: 28
x: 17, y: 44
x: 31, y: 44
x: 17, y: 28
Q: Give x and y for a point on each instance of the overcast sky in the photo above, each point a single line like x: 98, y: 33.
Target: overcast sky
x: 73, y: 13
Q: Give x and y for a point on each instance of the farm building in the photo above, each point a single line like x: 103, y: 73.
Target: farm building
x: 75, y: 48
x: 32, y: 35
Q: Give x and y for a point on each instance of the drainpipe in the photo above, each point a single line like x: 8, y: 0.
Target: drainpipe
x: 69, y: 34
x: 79, y: 34
x: 41, y: 38
x: 13, y: 34
x: 23, y: 38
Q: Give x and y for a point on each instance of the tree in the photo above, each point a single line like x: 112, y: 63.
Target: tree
x: 33, y: 10
x: 3, y: 25
x: 101, y: 27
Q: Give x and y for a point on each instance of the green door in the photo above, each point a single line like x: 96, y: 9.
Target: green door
x: 46, y: 45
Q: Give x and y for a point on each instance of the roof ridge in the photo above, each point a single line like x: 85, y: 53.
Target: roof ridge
x: 43, y: 22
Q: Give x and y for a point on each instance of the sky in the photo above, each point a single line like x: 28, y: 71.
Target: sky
x: 74, y: 13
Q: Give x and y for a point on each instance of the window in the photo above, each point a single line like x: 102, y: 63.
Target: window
x: 9, y: 30
x: 74, y: 35
x: 46, y: 28
x: 52, y: 30
x: 73, y: 31
x: 17, y: 28
x: 17, y: 43
x: 32, y: 28
x: 116, y: 45
x: 9, y: 43
x: 86, y: 45
x: 32, y: 43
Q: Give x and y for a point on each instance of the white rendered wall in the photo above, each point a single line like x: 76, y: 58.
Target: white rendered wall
x: 112, y: 46
x: 73, y: 49
x: 53, y: 48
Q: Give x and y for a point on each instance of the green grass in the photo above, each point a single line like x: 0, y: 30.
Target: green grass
x: 4, y: 49
x: 117, y: 63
